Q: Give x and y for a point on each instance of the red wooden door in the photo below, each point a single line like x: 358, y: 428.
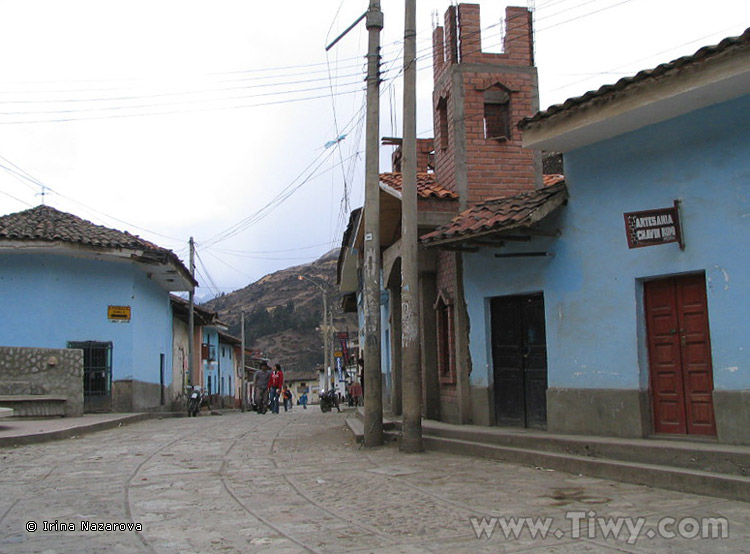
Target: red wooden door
x: 679, y: 349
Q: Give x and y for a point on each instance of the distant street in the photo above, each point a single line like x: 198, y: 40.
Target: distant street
x: 296, y: 482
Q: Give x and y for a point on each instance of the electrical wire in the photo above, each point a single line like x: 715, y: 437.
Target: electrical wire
x: 27, y: 176
x: 16, y: 199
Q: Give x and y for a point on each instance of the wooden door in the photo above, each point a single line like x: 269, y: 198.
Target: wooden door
x: 679, y: 350
x: 519, y: 356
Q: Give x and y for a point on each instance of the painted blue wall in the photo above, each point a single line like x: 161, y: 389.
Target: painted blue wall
x: 593, y: 285
x: 211, y: 368
x: 226, y: 363
x: 47, y: 300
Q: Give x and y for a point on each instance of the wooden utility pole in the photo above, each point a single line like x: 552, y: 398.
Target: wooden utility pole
x: 326, y: 347
x: 373, y: 378
x: 191, y: 316
x: 411, y: 427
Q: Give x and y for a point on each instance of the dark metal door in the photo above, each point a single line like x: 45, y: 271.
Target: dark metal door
x: 679, y: 348
x: 519, y: 357
x: 97, y: 375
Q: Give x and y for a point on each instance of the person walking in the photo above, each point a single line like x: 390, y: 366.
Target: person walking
x: 260, y: 388
x: 303, y: 400
x: 274, y: 384
x: 286, y: 394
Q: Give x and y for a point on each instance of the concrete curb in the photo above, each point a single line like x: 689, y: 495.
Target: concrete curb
x: 75, y: 430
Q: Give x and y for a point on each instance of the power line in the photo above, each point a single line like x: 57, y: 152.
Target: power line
x: 27, y: 176
x: 172, y: 112
x: 290, y: 189
x: 247, y: 252
x: 16, y: 199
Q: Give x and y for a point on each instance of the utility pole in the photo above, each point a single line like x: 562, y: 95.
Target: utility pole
x: 326, y: 347
x: 243, y: 391
x: 191, y: 316
x: 373, y: 378
x: 411, y: 427
x: 371, y: 274
x: 323, y: 326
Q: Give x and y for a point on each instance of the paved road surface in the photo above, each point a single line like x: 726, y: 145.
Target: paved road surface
x: 295, y: 482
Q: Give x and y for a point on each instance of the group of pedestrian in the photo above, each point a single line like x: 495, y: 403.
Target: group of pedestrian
x: 270, y: 390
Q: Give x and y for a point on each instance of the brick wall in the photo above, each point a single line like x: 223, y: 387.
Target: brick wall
x: 492, y: 167
x: 476, y: 167
x: 425, y: 157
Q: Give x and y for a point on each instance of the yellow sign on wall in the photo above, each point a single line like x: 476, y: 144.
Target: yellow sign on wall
x: 118, y: 313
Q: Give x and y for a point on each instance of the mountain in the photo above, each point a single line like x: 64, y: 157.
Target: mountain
x: 283, y: 314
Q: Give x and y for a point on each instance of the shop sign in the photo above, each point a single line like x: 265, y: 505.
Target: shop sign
x: 652, y: 227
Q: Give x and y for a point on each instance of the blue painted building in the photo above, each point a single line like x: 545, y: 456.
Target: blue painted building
x: 67, y: 283
x: 220, y: 361
x: 588, y: 314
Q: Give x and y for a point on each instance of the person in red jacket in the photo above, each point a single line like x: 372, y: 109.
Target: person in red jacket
x: 274, y: 385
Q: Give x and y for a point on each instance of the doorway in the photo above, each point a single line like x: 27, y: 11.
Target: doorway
x: 679, y: 354
x: 97, y: 375
x: 519, y: 359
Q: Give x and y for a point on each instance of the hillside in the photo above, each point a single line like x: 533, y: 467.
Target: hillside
x: 283, y: 314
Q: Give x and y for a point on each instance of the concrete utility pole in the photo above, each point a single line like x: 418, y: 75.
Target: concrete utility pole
x: 411, y: 427
x: 373, y: 378
x: 191, y: 316
x: 371, y: 273
x: 243, y: 391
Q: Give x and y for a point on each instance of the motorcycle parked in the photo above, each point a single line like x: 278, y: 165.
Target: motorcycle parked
x: 195, y: 402
x: 328, y: 400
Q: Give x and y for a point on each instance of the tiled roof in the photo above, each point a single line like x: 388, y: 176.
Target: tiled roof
x: 427, y: 187
x: 502, y: 214
x: 658, y: 71
x: 46, y: 224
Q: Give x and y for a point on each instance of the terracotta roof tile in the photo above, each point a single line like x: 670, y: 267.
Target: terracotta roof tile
x: 679, y: 63
x: 502, y: 214
x: 44, y: 223
x: 427, y: 187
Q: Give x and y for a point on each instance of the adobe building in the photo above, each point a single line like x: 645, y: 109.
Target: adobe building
x: 478, y: 100
x: 70, y: 284
x: 477, y: 154
x: 614, y: 303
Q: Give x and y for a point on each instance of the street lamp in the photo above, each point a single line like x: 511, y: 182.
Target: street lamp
x: 325, y: 327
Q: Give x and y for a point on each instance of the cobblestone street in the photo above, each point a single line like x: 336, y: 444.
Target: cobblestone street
x: 297, y: 482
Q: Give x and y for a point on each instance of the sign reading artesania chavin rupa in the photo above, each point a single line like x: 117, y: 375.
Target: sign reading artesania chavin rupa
x: 652, y: 227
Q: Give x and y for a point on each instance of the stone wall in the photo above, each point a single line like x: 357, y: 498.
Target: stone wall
x: 131, y: 395
x: 58, y: 372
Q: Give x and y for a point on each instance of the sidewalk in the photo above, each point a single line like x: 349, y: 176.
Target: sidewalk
x: 18, y: 431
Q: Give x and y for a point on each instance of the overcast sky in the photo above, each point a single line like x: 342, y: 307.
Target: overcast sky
x: 179, y: 118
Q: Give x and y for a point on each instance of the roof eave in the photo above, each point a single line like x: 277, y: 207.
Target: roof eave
x: 651, y: 100
x: 538, y: 214
x: 164, y: 267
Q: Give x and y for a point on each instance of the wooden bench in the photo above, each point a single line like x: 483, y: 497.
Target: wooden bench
x: 34, y: 405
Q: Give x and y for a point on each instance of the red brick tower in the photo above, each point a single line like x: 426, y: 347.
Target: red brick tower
x: 478, y: 99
